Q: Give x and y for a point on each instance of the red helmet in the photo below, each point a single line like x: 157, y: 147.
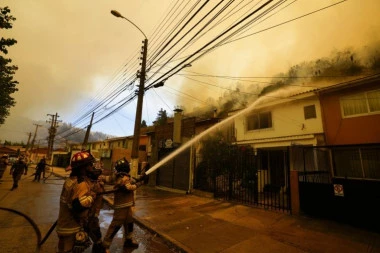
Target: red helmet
x: 82, y: 158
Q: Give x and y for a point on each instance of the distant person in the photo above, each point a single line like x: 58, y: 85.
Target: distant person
x: 18, y: 168
x: 3, y: 165
x: 124, y: 200
x: 43, y: 160
x: 40, y: 168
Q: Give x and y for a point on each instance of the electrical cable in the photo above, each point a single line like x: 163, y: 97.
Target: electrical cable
x: 218, y: 46
x: 210, y: 42
x: 194, y: 36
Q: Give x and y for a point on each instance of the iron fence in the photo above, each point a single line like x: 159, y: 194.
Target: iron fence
x: 243, y: 176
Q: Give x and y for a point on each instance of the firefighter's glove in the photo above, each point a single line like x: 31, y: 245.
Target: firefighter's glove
x: 81, y: 243
x: 125, y: 181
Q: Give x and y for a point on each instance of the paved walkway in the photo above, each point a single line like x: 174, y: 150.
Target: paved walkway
x: 198, y: 224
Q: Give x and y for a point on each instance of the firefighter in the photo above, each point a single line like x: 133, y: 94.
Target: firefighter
x: 75, y: 201
x: 40, y: 168
x: 18, y: 168
x: 97, y: 186
x: 125, y: 186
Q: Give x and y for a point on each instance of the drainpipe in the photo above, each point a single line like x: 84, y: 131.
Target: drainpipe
x: 191, y: 170
x: 177, y: 126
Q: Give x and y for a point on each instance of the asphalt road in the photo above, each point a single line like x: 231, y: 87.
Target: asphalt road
x: 40, y: 202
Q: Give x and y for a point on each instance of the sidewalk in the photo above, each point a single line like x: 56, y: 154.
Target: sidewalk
x: 197, y: 224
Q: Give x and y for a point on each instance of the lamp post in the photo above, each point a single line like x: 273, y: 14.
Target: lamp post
x: 140, y: 96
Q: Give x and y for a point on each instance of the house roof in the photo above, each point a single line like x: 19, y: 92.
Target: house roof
x: 349, y: 82
x: 5, y: 150
x: 294, y: 92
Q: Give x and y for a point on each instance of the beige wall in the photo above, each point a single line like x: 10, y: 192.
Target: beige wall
x: 287, y: 121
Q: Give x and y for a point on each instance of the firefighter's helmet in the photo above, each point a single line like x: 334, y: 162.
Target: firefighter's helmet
x: 122, y: 166
x: 81, y: 159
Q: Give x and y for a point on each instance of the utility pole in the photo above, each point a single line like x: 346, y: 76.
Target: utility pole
x: 52, y: 132
x: 27, y: 144
x: 33, y: 140
x: 85, y: 141
x: 140, y: 96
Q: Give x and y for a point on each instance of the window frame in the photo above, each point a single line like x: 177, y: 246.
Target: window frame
x: 257, y: 115
x: 314, y: 116
x: 365, y: 93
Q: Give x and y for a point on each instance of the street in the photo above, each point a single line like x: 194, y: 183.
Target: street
x: 40, y: 202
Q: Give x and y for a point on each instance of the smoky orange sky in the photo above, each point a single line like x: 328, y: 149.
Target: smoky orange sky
x: 68, y: 51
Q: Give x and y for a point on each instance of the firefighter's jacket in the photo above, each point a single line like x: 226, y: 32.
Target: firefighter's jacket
x: 125, y: 186
x: 70, y: 219
x: 97, y: 186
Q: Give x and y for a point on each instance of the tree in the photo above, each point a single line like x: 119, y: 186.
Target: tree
x: 7, y: 84
x: 143, y: 123
x: 162, y: 118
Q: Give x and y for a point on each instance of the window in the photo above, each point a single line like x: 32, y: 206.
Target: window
x: 309, y: 112
x: 259, y: 121
x: 362, y: 162
x: 361, y: 103
x: 374, y: 100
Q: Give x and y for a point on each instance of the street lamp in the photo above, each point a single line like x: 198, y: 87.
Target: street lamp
x: 140, y: 96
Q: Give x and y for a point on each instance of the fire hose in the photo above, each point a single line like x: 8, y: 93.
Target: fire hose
x: 35, y: 227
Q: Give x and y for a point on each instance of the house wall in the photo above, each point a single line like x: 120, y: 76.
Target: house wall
x: 143, y: 140
x: 289, y: 125
x: 353, y: 130
x: 119, y: 153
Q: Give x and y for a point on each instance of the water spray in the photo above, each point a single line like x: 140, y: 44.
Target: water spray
x: 201, y: 135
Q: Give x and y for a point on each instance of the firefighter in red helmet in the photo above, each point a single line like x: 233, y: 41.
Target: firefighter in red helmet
x: 75, y: 201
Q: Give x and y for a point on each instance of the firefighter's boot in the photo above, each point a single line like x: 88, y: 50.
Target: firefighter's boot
x: 98, y: 248
x: 130, y: 243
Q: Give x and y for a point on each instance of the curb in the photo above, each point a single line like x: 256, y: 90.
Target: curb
x: 169, y: 240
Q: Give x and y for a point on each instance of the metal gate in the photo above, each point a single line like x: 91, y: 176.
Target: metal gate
x: 260, y: 179
x: 61, y: 160
x: 341, y: 183
x: 175, y: 173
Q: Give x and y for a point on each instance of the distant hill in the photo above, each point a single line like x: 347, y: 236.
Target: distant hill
x: 17, y: 129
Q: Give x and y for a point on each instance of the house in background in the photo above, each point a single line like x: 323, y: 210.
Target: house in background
x: 351, y: 120
x: 110, y: 150
x: 351, y: 111
x: 274, y: 126
x: 330, y: 136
